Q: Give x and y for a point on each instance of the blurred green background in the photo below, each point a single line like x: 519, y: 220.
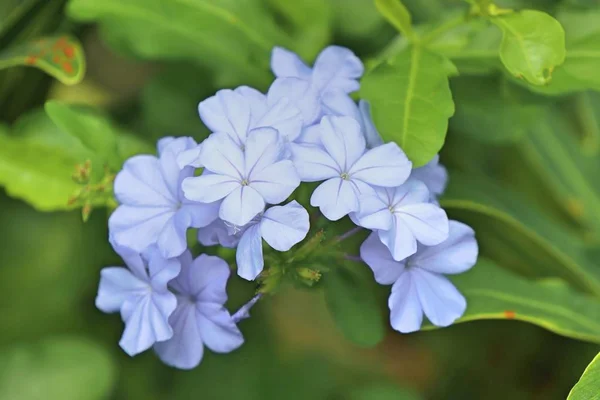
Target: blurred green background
x: 56, y: 345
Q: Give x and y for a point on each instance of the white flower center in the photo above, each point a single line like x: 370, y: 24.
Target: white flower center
x: 345, y: 176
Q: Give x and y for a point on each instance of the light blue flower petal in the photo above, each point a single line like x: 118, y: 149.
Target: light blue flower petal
x: 300, y: 94
x: 117, y: 285
x: 406, y: 314
x: 441, y: 301
x: 455, y: 255
x: 138, y: 227
x: 228, y: 112
x: 190, y: 157
x: 220, y: 155
x: 185, y: 349
x: 371, y: 133
x: 310, y: 135
x: 386, y: 165
x: 146, y: 321
x: 141, y: 183
x: 207, y: 277
x: 284, y: 116
x: 411, y: 192
x: 241, y: 205
x: 264, y: 147
x: 208, y: 188
x: 162, y: 143
x: 201, y: 214
x: 257, y: 102
x: 343, y: 140
x: 172, y: 240
x: 314, y: 163
x: 337, y: 68
x: 160, y: 270
x: 276, y: 182
x: 285, y: 63
x: 427, y: 222
x: 171, y: 171
x: 338, y: 103
x: 284, y: 226
x: 433, y: 174
x: 379, y: 259
x: 217, y: 329
x: 217, y: 233
x: 399, y: 239
x: 374, y: 212
x: 335, y: 198
x: 249, y: 255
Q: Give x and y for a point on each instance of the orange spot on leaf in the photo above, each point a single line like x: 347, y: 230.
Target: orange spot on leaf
x: 69, y: 52
x: 56, y: 59
x: 60, y: 43
x: 67, y: 67
x: 508, y: 314
x: 30, y: 60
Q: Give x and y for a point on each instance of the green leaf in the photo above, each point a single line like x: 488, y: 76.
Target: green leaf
x: 566, y: 161
x: 491, y: 109
x: 514, y: 233
x: 59, y: 56
x: 582, y: 62
x: 588, y: 387
x: 351, y: 300
x: 234, y: 37
x: 108, y: 144
x: 58, y: 368
x: 411, y: 102
x: 494, y: 293
x: 396, y: 14
x: 533, y: 44
x: 37, y: 161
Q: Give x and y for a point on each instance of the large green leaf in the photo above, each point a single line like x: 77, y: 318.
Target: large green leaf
x: 582, y: 61
x: 64, y: 368
x: 491, y: 109
x: 234, y: 37
x: 568, y: 165
x: 494, y: 293
x: 59, y: 56
x: 411, y: 102
x: 533, y: 44
x: 353, y: 305
x: 396, y: 14
x: 588, y: 387
x: 37, y: 162
x: 513, y: 232
x: 107, y: 144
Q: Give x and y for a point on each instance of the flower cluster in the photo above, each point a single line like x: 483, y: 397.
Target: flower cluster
x: 233, y: 188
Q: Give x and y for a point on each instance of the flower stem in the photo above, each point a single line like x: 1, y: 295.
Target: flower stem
x: 348, y: 234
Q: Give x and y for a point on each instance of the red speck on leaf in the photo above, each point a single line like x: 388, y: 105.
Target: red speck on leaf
x: 69, y: 51
x: 60, y: 43
x: 30, y: 60
x: 67, y: 67
x: 56, y: 59
x: 509, y: 314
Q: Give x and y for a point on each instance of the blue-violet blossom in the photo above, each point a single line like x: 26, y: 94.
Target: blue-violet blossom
x: 419, y: 285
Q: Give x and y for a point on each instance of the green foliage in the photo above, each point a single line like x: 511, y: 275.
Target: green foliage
x: 57, y: 368
x: 411, y: 102
x: 397, y: 15
x: 351, y: 300
x: 494, y: 293
x: 382, y: 392
x: 588, y: 387
x: 533, y: 44
x: 62, y: 57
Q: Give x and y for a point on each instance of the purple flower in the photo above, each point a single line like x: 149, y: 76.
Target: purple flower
x: 140, y: 293
x: 419, y: 285
x: 246, y: 179
x: 237, y: 112
x: 336, y: 69
x: 200, y: 318
x: 153, y: 210
x: 281, y: 227
x: 433, y: 175
x: 403, y: 216
x: 348, y: 171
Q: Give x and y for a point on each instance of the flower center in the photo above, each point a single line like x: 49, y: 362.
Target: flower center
x: 345, y: 176
x: 245, y: 182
